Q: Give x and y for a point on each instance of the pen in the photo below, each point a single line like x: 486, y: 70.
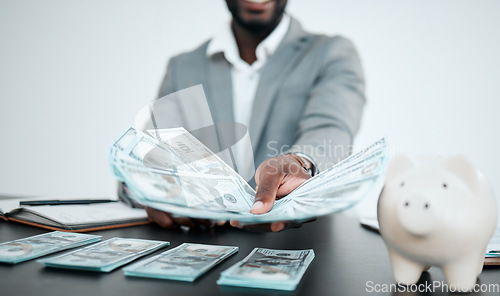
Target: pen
x: 55, y: 202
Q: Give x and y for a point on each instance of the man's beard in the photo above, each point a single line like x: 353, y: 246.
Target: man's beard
x: 257, y: 26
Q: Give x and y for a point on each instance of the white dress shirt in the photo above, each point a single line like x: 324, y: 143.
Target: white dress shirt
x: 245, y: 79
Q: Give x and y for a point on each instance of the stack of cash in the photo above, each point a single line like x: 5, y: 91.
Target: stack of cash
x: 184, y: 263
x: 39, y: 245
x: 105, y: 256
x: 177, y: 170
x: 170, y: 170
x: 269, y: 269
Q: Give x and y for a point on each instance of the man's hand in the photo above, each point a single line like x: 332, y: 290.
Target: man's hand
x: 275, y: 178
x: 166, y: 220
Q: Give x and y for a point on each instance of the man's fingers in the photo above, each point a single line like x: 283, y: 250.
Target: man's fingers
x: 273, y: 226
x: 263, y: 227
x: 204, y: 222
x: 161, y: 218
x: 268, y: 179
x: 291, y: 183
x: 184, y: 221
x: 266, y: 194
x: 165, y: 220
x: 235, y: 224
x: 277, y: 226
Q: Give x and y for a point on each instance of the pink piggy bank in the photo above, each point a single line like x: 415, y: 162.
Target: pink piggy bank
x: 437, y: 213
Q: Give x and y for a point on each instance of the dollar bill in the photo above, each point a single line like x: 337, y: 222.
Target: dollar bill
x: 183, y: 189
x: 186, y: 262
x: 366, y: 163
x: 39, y: 245
x: 178, y: 171
x: 105, y: 256
x: 201, y: 159
x: 269, y: 269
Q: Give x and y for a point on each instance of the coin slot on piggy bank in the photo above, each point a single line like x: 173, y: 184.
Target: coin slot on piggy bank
x: 439, y: 212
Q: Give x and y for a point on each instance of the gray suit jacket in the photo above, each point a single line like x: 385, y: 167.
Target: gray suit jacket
x: 309, y: 98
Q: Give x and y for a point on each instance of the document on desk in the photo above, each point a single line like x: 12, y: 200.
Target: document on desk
x: 39, y: 245
x: 73, y: 217
x: 170, y: 170
x: 186, y: 262
x: 105, y: 256
x: 269, y: 269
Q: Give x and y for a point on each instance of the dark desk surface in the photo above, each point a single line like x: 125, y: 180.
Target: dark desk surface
x: 347, y: 257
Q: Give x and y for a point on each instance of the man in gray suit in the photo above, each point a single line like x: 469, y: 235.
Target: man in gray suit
x: 300, y: 94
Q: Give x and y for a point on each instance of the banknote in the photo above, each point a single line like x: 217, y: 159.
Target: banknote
x: 369, y: 162
x: 176, y: 174
x: 125, y: 140
x: 141, y: 148
x: 39, y: 245
x: 269, y: 269
x: 105, y: 256
x: 192, y: 190
x: 186, y: 262
x: 170, y: 170
x: 201, y: 159
x: 194, y: 153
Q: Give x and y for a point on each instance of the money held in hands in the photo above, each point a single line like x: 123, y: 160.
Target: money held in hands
x: 172, y: 171
x: 186, y: 262
x: 105, y: 256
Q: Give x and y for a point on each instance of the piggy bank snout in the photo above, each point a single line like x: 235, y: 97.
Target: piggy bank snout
x: 418, y: 214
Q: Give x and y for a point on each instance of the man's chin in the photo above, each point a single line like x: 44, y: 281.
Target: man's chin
x: 248, y: 15
x: 257, y: 26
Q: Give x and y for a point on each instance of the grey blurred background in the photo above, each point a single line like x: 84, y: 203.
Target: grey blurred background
x: 74, y: 73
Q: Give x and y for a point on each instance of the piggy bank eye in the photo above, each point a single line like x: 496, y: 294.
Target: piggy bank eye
x: 445, y: 185
x: 402, y: 184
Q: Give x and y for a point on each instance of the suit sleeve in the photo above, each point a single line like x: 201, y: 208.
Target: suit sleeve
x: 332, y: 114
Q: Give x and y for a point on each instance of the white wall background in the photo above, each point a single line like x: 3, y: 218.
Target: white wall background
x: 73, y: 74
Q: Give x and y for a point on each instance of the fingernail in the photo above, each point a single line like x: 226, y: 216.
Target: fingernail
x: 257, y: 206
x: 234, y: 223
x: 221, y: 222
x: 280, y: 227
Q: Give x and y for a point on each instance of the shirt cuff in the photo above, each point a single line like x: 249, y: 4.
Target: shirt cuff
x: 306, y: 162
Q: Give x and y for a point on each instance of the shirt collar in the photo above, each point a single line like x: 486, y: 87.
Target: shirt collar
x: 224, y: 42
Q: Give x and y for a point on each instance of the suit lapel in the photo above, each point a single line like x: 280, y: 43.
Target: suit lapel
x: 272, y: 76
x: 219, y: 92
x: 219, y: 89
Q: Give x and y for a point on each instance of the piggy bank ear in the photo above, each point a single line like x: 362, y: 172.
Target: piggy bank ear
x: 464, y: 169
x: 398, y: 165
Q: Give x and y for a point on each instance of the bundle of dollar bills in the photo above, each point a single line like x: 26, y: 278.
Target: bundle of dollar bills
x: 268, y: 269
x: 105, y: 256
x: 171, y: 170
x: 186, y: 262
x: 39, y: 245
